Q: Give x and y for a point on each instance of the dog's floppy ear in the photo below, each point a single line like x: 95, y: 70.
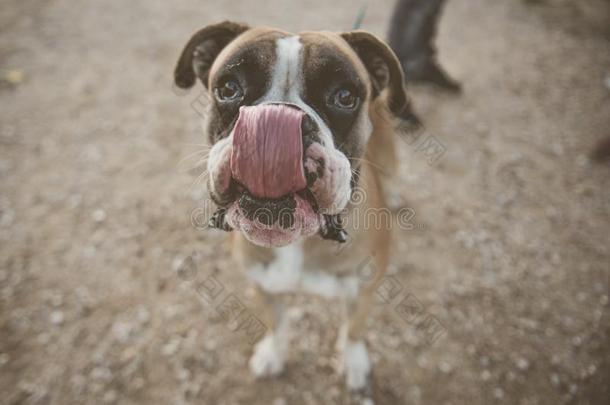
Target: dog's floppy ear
x: 201, y: 51
x: 384, y: 70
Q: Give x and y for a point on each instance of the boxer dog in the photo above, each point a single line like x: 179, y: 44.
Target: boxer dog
x: 297, y: 124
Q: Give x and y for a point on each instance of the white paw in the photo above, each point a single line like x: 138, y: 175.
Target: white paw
x: 356, y: 365
x: 266, y: 360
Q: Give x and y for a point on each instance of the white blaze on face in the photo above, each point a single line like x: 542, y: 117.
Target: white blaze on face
x: 287, y: 82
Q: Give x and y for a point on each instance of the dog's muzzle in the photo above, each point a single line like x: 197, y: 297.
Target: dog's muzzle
x: 277, y: 186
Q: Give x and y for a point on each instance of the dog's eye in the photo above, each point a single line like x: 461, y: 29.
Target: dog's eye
x: 229, y: 90
x: 345, y: 99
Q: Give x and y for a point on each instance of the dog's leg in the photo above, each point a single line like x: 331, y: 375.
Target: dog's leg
x: 355, y: 362
x: 270, y: 352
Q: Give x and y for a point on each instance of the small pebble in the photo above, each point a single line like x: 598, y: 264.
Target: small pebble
x: 101, y: 373
x: 57, y: 317
x: 555, y: 380
x: 582, y: 160
x: 422, y: 361
x: 555, y: 360
x: 523, y: 364
x: 122, y: 331
x: 171, y: 347
x: 445, y: 367
x: 577, y: 341
x: 99, y: 215
x: 183, y: 374
x: 14, y: 76
x: 143, y: 315
x: 89, y: 251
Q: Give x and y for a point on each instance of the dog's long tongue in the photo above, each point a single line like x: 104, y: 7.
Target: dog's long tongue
x: 267, y: 156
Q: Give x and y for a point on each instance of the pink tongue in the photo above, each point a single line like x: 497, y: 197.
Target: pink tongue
x: 267, y: 156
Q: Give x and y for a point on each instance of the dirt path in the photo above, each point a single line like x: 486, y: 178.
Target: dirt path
x: 510, y: 248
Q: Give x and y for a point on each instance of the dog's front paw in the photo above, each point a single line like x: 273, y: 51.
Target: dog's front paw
x: 267, y: 359
x: 356, y: 365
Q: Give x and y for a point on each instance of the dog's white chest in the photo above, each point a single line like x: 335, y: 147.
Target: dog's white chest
x: 287, y: 273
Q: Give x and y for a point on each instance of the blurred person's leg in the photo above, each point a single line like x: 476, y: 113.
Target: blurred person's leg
x: 412, y: 33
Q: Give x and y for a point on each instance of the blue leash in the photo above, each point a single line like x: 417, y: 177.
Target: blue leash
x: 360, y: 16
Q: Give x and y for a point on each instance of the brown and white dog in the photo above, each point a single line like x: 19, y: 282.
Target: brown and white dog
x: 296, y: 123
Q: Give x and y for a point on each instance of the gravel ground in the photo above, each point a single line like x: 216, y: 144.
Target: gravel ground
x: 509, y: 248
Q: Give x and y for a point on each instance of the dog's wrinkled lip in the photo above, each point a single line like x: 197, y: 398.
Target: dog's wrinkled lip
x: 277, y: 222
x: 237, y: 191
x: 274, y: 222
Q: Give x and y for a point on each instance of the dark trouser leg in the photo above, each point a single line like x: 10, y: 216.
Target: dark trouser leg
x: 412, y: 33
